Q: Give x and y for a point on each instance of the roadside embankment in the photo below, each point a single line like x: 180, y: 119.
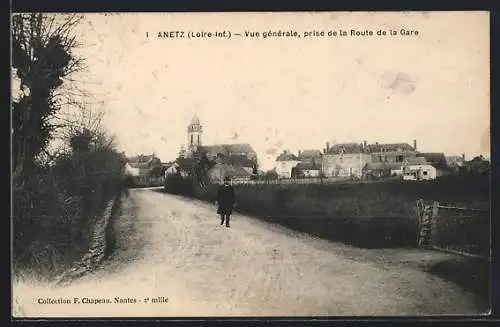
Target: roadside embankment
x: 101, y: 243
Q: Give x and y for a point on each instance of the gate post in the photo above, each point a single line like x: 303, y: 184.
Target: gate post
x: 419, y: 211
x: 434, y: 222
x: 428, y: 220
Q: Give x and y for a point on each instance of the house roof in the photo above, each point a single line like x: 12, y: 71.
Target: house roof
x: 390, y: 147
x: 142, y: 158
x: 307, y: 166
x: 143, y: 161
x: 241, y: 161
x: 231, y: 171
x: 345, y: 148
x: 437, y: 159
x: 310, y: 153
x: 287, y: 157
x: 139, y: 165
x: 228, y: 148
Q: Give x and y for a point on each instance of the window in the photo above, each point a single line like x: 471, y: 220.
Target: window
x: 399, y: 159
x: 425, y: 173
x: 192, y: 139
x: 199, y: 142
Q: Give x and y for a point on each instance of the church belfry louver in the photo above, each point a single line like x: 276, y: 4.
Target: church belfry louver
x: 194, y: 132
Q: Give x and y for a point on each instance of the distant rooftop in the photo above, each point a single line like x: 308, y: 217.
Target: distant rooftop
x: 345, y: 148
x: 142, y: 158
x: 390, y: 147
x: 310, y: 153
x: 238, y: 148
x: 287, y: 156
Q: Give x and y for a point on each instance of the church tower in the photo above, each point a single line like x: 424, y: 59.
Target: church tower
x: 194, y: 133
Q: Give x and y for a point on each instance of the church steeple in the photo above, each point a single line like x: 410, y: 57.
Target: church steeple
x: 195, y: 130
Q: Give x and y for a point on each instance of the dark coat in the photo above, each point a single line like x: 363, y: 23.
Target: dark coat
x: 225, y: 198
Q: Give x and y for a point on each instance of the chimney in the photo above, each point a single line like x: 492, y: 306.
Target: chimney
x: 327, y: 146
x: 463, y: 156
x: 415, y: 145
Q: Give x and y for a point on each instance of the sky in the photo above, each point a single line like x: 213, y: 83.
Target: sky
x: 291, y: 93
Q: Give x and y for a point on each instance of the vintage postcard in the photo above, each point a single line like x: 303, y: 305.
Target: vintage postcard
x: 250, y: 164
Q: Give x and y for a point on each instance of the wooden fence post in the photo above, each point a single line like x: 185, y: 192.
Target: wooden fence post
x: 434, y: 222
x: 420, y: 212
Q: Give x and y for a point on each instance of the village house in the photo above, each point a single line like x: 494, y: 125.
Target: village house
x: 381, y: 169
x: 345, y: 160
x: 438, y: 161
x: 311, y: 156
x: 305, y: 170
x: 309, y: 165
x: 221, y: 170
x: 413, y: 161
x: 172, y: 169
x: 241, y: 154
x: 142, y: 165
x: 419, y: 172
x: 386, y: 169
x: 285, y: 162
x: 391, y: 153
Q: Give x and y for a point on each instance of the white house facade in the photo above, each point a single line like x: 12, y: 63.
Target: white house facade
x: 284, y: 164
x: 131, y: 171
x: 419, y: 172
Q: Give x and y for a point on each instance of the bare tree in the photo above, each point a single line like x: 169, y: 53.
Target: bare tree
x: 43, y: 59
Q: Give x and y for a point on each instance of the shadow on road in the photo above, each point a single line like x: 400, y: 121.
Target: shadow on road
x: 125, y: 244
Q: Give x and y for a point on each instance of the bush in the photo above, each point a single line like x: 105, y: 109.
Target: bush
x: 378, y: 214
x: 176, y: 184
x: 56, y: 207
x: 45, y: 218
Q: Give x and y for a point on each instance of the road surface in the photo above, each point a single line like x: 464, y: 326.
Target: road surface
x: 173, y: 250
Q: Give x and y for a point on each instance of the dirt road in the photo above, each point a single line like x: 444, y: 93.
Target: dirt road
x: 173, y: 250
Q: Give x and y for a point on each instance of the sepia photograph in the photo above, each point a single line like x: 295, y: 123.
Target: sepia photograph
x: 250, y: 164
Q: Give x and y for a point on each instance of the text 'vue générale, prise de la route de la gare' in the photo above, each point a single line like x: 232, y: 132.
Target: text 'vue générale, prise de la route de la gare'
x: 266, y: 34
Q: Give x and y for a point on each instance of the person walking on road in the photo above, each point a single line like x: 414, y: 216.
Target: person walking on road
x: 225, y: 199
